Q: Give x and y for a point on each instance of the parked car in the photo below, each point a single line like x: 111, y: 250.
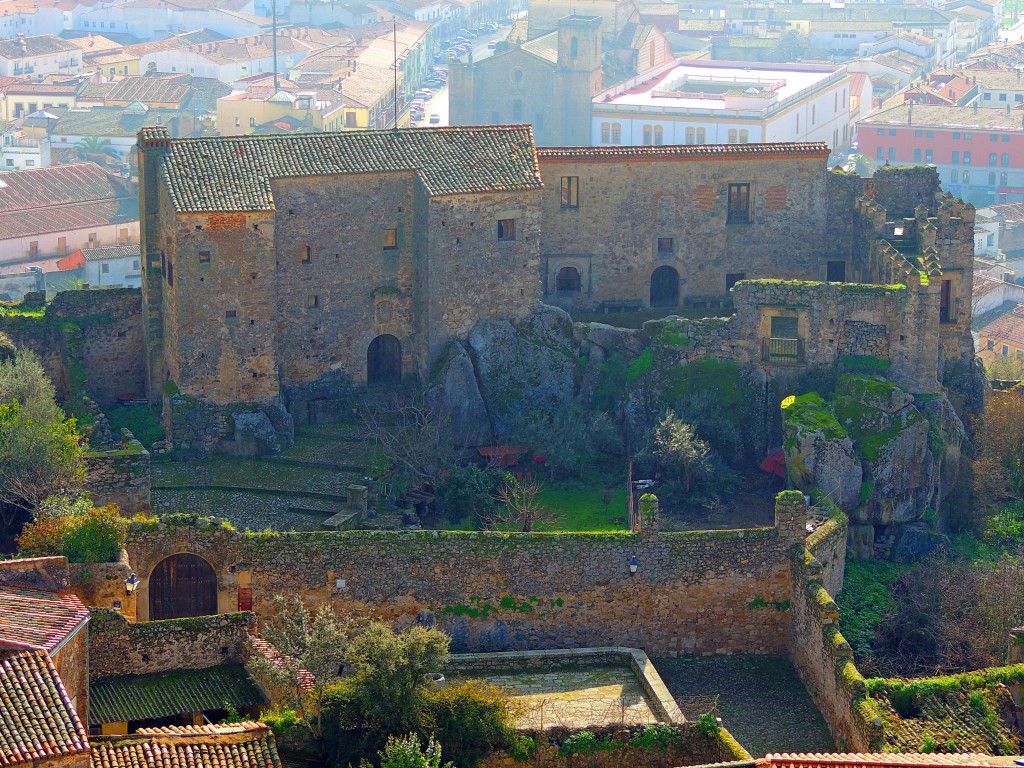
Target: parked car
x: 492, y: 45
x: 435, y: 119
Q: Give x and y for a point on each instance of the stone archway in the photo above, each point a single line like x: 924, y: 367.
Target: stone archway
x: 384, y: 362
x: 568, y: 281
x: 181, y: 586
x: 665, y: 287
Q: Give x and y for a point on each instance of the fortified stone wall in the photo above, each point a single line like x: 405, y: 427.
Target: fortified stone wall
x: 120, y: 477
x: 701, y: 592
x: 90, y: 340
x: 72, y: 663
x: 119, y: 647
x: 820, y: 653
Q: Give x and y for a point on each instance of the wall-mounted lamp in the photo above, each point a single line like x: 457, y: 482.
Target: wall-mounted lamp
x: 132, y: 583
x: 634, y: 565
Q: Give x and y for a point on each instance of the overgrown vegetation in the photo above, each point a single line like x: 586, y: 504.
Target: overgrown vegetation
x: 139, y: 420
x: 75, y: 529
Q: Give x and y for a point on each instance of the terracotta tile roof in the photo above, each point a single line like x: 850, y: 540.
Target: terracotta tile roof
x: 113, y: 121
x: 37, y: 187
x: 284, y: 662
x: 144, y: 697
x: 111, y: 252
x: 868, y: 760
x: 38, y: 618
x: 1008, y: 327
x: 240, y: 745
x: 680, y: 151
x: 40, y: 45
x: 37, y: 719
x: 63, y: 218
x: 234, y: 172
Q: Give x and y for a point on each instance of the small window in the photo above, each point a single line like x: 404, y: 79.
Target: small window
x: 1004, y: 160
x: 230, y: 314
x: 956, y: 158
x: 967, y: 158
x: 731, y: 278
x: 252, y: 122
x: 928, y: 156
x: 312, y: 301
x: 238, y: 122
x: 307, y: 255
x: 606, y: 133
x: 506, y: 229
x: 990, y: 344
x: 570, y: 191
x: 666, y: 246
x: 1006, y: 350
x: 105, y: 268
x: 390, y: 239
x: 659, y: 135
x: 835, y: 272
x: 992, y: 158
x: 33, y: 248
x: 739, y: 204
x: 245, y: 598
x: 204, y: 255
x: 135, y: 264
x: 1019, y: 354
x: 616, y: 133
x: 917, y: 155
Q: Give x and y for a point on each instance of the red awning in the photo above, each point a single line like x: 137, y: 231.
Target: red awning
x: 775, y: 463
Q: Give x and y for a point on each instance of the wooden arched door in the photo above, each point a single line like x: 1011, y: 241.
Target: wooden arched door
x: 384, y: 362
x: 182, y: 585
x: 665, y: 287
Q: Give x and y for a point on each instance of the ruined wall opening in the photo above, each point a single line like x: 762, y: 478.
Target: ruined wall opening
x: 665, y: 287
x: 384, y: 362
x: 181, y: 586
x: 568, y: 281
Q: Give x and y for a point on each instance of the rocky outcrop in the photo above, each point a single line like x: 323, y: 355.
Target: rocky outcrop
x: 818, y: 451
x: 457, y: 392
x: 530, y: 365
x: 253, y: 435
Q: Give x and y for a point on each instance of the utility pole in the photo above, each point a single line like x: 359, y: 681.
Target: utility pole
x: 273, y: 17
x: 394, y: 38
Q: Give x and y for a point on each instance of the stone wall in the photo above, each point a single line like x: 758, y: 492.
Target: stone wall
x: 72, y: 663
x: 820, y: 653
x: 119, y: 647
x: 102, y: 585
x: 626, y: 206
x: 40, y: 572
x: 700, y: 592
x: 120, y: 477
x: 89, y: 340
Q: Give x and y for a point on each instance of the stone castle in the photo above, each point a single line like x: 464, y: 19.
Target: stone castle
x: 277, y: 263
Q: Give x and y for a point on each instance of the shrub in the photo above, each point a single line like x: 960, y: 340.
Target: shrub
x: 659, y: 736
x: 95, y: 536
x: 406, y: 752
x: 470, y: 720
x: 466, y: 491
x: 708, y: 724
x: 282, y: 720
x: 583, y: 743
x: 522, y: 748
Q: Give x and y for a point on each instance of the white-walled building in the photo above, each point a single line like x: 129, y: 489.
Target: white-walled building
x: 36, y: 57
x: 113, y: 266
x: 721, y: 102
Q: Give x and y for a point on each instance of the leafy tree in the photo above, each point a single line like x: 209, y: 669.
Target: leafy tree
x: 90, y: 535
x: 39, y: 446
x: 466, y: 491
x: 570, y: 439
x: 1005, y: 368
x: 313, y: 642
x: 678, y: 449
x: 392, y: 673
x: 471, y: 719
x: 407, y: 752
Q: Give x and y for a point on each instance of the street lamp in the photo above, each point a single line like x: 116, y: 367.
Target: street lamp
x: 634, y: 565
x: 132, y: 583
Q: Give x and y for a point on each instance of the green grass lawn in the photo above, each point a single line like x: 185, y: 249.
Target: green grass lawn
x: 579, y: 507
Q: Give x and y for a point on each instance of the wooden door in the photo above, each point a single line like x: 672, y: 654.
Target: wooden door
x: 182, y: 585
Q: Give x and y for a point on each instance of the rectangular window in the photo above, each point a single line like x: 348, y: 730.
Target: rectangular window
x: 967, y: 158
x: 928, y: 155
x: 835, y: 272
x: 252, y: 122
x: 1006, y: 350
x: 892, y: 131
x: 968, y: 136
x: 929, y: 134
x: 1002, y: 97
x: 1004, y: 160
x: 881, y: 131
x: 307, y: 255
x: 731, y: 278
x: 956, y: 158
x: 390, y: 239
x: 570, y: 191
x: 312, y: 301
x: 135, y: 264
x: 666, y: 246
x: 739, y: 204
x: 204, y: 255
x: 62, y: 246
x: 105, y: 268
x: 33, y: 248
x: 992, y: 158
x: 230, y: 314
x: 946, y: 302
x: 956, y: 136
x: 917, y: 155
x: 506, y: 229
x: 918, y: 134
x: 993, y: 136
x: 954, y: 176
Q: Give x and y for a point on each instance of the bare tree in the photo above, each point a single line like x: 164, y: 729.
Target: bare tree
x: 415, y: 437
x: 521, y: 506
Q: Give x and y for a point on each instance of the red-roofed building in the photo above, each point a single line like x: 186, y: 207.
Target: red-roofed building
x: 51, y: 620
x: 39, y: 726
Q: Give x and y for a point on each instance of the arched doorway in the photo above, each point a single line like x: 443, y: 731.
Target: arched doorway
x: 568, y: 281
x: 384, y: 362
x: 665, y: 287
x: 182, y: 585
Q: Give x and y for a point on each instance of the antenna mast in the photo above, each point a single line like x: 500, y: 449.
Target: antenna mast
x: 273, y: 15
x: 394, y: 38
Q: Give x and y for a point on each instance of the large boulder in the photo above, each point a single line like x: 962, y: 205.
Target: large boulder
x: 912, y: 542
x: 819, y: 452
x: 527, y: 366
x: 253, y: 435
x: 456, y: 390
